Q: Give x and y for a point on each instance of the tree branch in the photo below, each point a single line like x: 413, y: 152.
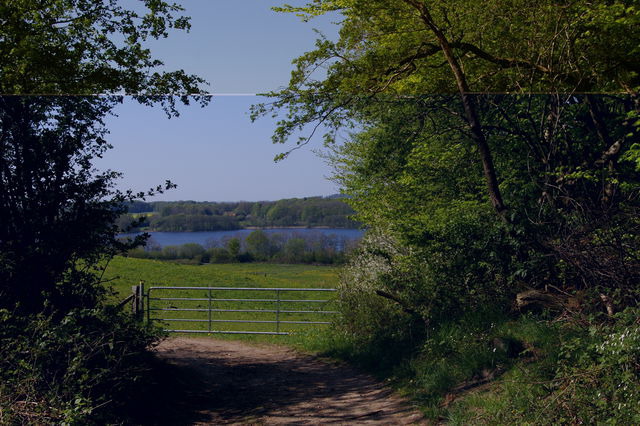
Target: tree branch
x: 503, y: 62
x: 406, y: 308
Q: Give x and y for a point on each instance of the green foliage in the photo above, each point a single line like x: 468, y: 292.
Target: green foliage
x: 56, y: 214
x: 258, y: 245
x: 190, y: 250
x: 427, y: 168
x: 450, y: 361
x: 633, y: 155
x: 413, y: 170
x: 220, y: 255
x: 598, y: 378
x: 81, y: 369
x: 88, y: 47
x: 65, y: 357
x: 366, y: 316
x: 569, y: 374
x: 233, y: 247
x: 390, y: 49
x: 473, y: 198
x: 183, y: 222
x: 206, y: 216
x: 501, y: 46
x: 294, y: 250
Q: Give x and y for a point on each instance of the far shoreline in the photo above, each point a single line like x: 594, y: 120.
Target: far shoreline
x: 253, y: 228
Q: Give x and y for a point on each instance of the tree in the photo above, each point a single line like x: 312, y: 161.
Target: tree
x: 190, y: 251
x: 412, y: 173
x: 57, y: 228
x: 58, y: 216
x: 428, y: 173
x: 258, y: 245
x: 67, y: 351
x: 412, y: 46
x: 88, y: 47
x: 56, y: 212
x: 390, y: 54
x: 233, y: 247
x: 294, y: 251
x: 399, y: 48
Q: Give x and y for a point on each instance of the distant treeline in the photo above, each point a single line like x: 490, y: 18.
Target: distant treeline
x: 211, y: 216
x: 258, y: 246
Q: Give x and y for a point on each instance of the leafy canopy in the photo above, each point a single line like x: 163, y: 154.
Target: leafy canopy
x: 396, y: 48
x: 88, y: 47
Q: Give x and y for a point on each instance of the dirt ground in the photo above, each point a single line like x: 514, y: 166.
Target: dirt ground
x: 230, y: 382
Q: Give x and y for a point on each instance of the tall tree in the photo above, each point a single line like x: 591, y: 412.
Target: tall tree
x: 412, y: 47
x: 71, y: 355
x: 57, y: 214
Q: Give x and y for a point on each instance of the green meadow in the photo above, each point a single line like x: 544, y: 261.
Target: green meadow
x: 206, y: 310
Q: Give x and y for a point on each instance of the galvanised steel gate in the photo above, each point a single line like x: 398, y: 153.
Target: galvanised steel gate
x: 224, y: 310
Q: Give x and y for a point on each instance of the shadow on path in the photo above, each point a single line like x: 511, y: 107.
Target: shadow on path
x: 208, y: 381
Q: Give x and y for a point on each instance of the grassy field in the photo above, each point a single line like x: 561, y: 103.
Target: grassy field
x: 204, y: 315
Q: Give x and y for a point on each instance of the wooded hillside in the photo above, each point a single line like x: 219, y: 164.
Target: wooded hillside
x: 217, y: 216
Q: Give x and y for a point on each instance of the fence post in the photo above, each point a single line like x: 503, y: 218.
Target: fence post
x: 148, y: 307
x: 141, y: 300
x: 134, y: 301
x: 137, y: 303
x: 278, y: 311
x: 209, y: 310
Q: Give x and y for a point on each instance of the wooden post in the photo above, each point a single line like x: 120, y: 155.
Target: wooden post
x: 141, y: 299
x: 134, y: 301
x: 137, y: 304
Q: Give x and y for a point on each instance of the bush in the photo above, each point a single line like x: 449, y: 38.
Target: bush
x: 219, y: 255
x: 169, y: 252
x: 190, y: 251
x: 583, y: 372
x: 598, y: 378
x: 386, y: 279
x: 86, y: 368
x: 364, y: 314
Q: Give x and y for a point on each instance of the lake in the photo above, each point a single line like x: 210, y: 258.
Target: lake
x: 217, y: 238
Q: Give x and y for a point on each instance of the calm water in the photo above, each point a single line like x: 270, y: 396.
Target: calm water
x: 217, y: 238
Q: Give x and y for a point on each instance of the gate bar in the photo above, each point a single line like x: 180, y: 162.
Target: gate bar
x: 242, y: 288
x: 282, y: 333
x: 210, y: 299
x: 273, y: 311
x: 241, y: 321
x: 235, y: 300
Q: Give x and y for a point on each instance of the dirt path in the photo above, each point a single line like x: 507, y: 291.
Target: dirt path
x: 227, y: 382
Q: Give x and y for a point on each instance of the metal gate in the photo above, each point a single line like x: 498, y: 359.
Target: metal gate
x: 238, y: 310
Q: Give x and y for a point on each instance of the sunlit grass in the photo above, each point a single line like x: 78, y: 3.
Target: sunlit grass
x: 123, y: 273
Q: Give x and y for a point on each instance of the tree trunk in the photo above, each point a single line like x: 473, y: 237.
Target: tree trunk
x: 471, y: 113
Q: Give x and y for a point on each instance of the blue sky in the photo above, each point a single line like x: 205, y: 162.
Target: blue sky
x: 241, y: 46
x: 215, y: 153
